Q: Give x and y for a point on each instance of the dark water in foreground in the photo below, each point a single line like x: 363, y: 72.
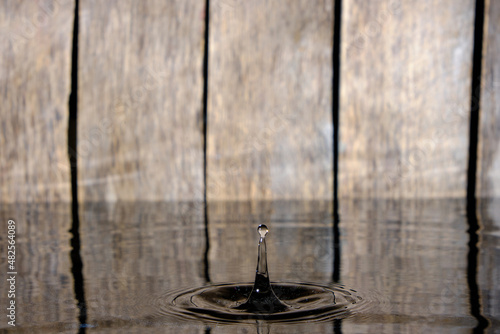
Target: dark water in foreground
x: 408, y: 260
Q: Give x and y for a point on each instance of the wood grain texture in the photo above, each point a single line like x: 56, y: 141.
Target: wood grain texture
x: 404, y: 100
x: 270, y: 100
x: 488, y: 176
x: 35, y: 42
x: 140, y: 97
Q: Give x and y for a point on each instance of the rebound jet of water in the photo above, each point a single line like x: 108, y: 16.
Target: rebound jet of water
x: 262, y: 298
x: 244, y: 302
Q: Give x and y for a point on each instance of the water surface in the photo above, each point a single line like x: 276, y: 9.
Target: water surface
x: 408, y: 259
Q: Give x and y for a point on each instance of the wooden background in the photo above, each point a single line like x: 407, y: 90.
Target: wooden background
x: 139, y: 103
x: 270, y: 100
x: 35, y: 71
x: 405, y: 88
x: 489, y: 139
x: 404, y: 101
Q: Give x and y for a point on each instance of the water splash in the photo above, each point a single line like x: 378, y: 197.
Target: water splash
x: 262, y: 300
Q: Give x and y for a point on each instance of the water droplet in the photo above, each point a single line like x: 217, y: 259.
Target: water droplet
x: 263, y: 230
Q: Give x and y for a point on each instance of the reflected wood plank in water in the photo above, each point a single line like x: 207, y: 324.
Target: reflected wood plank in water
x: 405, y: 98
x: 489, y: 259
x: 133, y: 252
x: 299, y: 240
x: 44, y: 285
x: 415, y: 254
x: 140, y: 98
x: 488, y: 184
x: 35, y: 69
x: 269, y: 100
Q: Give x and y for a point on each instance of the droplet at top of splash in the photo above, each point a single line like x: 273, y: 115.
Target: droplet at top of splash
x: 263, y: 230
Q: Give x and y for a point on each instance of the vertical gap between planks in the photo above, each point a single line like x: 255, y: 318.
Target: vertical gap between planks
x: 335, y: 118
x: 472, y: 256
x: 76, y: 259
x: 475, y: 101
x: 337, y: 22
x: 205, y: 119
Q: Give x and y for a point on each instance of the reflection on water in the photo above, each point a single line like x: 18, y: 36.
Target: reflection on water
x: 489, y: 261
x: 409, y: 258
x: 44, y: 294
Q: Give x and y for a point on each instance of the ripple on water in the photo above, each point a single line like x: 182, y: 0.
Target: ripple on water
x: 219, y: 303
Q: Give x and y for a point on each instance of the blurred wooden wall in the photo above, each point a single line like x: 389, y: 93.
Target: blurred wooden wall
x: 405, y: 98
x: 35, y: 73
x: 270, y: 131
x: 488, y: 184
x: 140, y: 85
x: 405, y: 87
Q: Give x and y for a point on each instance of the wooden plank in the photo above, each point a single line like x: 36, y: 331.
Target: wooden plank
x: 35, y: 67
x: 140, y: 98
x: 488, y: 182
x: 269, y: 100
x: 404, y: 100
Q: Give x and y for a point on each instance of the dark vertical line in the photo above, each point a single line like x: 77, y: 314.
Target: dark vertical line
x: 336, y: 93
x: 337, y: 326
x: 207, y: 248
x: 472, y: 259
x: 475, y: 100
x: 335, y: 117
x: 337, y: 323
x: 76, y: 260
x: 472, y: 256
x: 205, y: 107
